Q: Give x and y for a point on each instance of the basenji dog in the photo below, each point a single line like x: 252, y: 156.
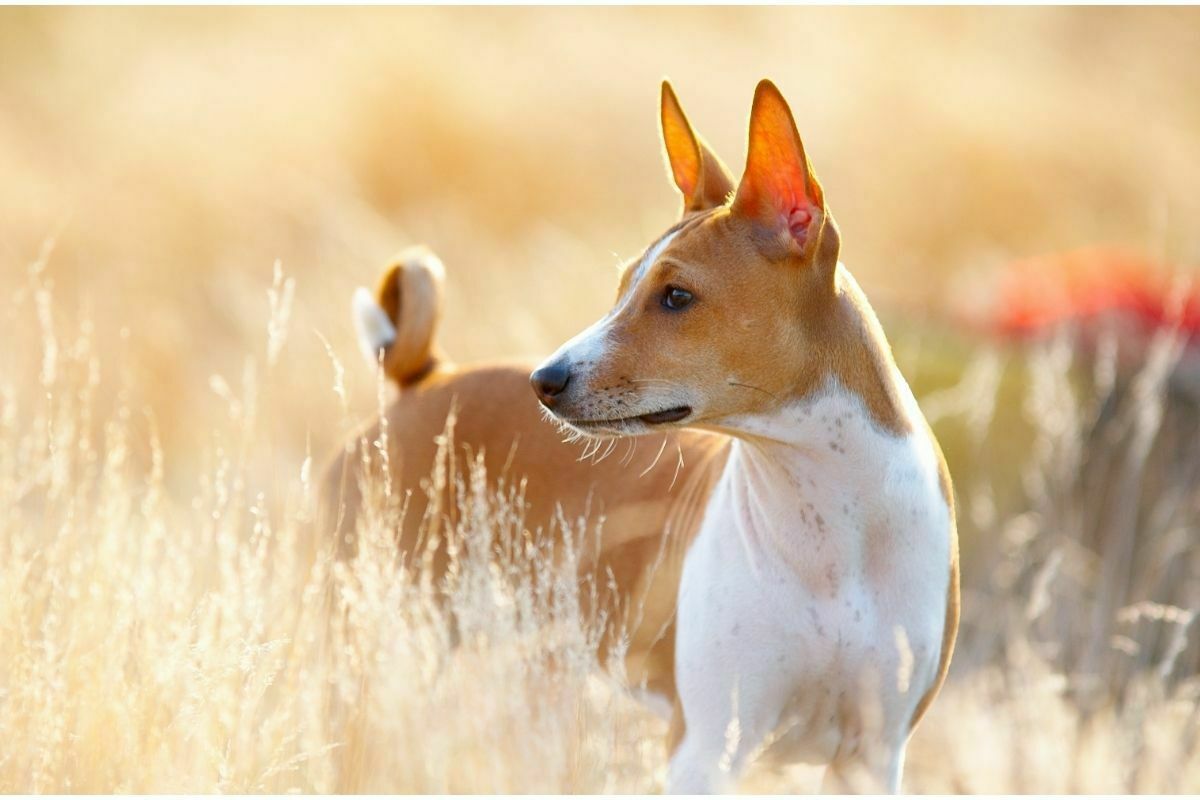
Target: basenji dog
x: 794, y: 562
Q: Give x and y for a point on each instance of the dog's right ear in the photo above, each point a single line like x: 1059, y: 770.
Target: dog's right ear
x: 703, y: 180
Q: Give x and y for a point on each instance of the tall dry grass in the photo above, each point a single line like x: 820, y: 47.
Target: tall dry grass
x: 150, y: 646
x: 217, y: 645
x: 1077, y: 661
x: 169, y: 619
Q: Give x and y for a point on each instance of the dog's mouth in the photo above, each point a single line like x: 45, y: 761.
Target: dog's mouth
x: 664, y: 417
x: 677, y: 414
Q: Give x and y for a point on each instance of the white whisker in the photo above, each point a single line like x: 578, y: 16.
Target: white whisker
x: 678, y: 467
x: 654, y: 463
x: 628, y: 457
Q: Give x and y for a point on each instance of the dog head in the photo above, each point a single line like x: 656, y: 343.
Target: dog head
x: 724, y: 314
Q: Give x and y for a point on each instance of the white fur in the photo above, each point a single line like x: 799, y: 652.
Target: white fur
x: 590, y: 345
x: 812, y: 601
x: 651, y: 255
x: 586, y: 347
x: 375, y: 331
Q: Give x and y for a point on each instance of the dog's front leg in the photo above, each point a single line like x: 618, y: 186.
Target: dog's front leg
x: 877, y: 771
x: 729, y: 672
x: 725, y: 722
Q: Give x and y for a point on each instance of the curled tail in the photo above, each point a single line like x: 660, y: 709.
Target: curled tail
x: 401, y: 317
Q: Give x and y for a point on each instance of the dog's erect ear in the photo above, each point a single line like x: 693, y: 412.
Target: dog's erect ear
x: 701, y: 177
x: 779, y: 188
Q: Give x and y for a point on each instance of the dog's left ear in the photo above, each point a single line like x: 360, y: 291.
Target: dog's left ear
x: 779, y: 189
x: 703, y: 180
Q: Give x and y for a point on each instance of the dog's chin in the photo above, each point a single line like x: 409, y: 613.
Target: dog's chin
x: 638, y: 425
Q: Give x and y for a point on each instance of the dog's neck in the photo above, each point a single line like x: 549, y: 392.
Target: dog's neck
x: 865, y: 391
x: 810, y: 470
x: 809, y: 487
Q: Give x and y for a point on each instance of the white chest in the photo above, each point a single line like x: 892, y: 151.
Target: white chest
x: 813, y: 598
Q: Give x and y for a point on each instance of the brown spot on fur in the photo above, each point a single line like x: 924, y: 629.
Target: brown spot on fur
x: 832, y: 578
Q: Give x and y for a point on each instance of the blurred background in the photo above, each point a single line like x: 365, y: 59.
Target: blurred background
x: 175, y: 154
x: 996, y: 173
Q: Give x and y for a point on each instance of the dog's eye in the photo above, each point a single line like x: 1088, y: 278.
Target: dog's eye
x: 676, y: 299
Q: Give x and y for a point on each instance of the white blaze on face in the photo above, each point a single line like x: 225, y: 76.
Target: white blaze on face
x: 589, y: 346
x: 652, y: 255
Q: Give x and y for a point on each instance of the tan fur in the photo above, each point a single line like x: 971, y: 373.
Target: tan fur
x: 753, y: 284
x: 757, y: 297
x: 410, y: 293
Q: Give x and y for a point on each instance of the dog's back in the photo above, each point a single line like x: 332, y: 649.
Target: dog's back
x: 649, y: 493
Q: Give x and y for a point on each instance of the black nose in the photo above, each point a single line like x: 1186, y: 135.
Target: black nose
x: 549, y: 381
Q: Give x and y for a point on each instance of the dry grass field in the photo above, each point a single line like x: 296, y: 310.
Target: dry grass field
x: 188, y: 198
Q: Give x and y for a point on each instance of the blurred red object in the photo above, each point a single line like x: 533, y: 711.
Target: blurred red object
x: 1036, y: 295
